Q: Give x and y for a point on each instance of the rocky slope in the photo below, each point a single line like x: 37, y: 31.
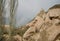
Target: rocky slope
x: 45, y: 26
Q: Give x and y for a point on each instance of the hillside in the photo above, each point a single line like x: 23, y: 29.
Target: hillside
x: 44, y: 27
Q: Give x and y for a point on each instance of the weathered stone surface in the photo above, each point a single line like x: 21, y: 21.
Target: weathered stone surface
x: 32, y: 32
x: 17, y: 38
x: 44, y: 29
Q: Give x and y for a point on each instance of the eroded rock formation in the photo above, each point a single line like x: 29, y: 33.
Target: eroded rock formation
x: 45, y: 27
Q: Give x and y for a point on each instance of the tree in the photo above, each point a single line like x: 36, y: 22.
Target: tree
x: 2, y: 20
x: 13, y: 8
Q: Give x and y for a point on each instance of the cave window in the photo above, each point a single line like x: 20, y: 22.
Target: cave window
x: 57, y: 17
x: 50, y: 18
x: 36, y: 20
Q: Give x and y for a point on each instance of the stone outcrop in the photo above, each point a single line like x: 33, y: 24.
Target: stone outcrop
x: 17, y: 38
x: 34, y: 28
x: 45, y: 27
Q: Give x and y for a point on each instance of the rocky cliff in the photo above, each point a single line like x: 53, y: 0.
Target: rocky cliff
x: 45, y: 26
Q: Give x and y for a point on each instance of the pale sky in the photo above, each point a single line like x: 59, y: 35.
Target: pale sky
x: 28, y: 9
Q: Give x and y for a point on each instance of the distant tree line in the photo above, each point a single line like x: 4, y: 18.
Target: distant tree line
x: 13, y: 7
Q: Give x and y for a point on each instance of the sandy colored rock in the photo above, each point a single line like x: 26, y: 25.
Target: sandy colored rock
x: 17, y: 38
x: 34, y: 29
x: 45, y: 30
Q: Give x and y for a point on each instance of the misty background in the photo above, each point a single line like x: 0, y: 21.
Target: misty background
x: 28, y: 9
